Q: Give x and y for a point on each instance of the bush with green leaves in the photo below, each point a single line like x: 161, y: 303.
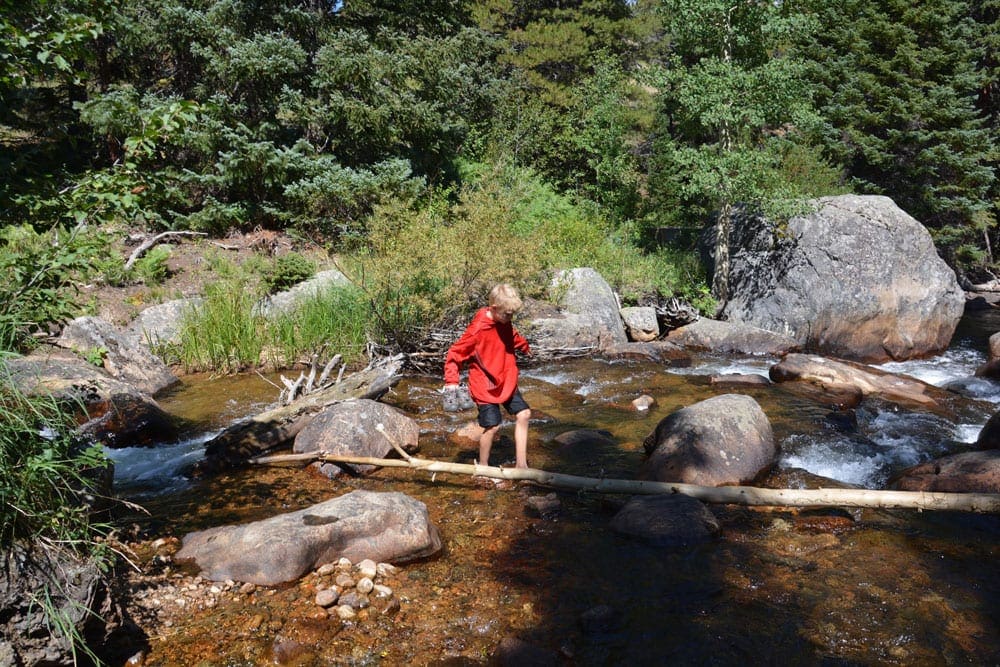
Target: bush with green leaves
x: 429, y: 263
x: 42, y: 271
x: 287, y: 270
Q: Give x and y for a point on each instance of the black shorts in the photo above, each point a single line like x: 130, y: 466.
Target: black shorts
x: 489, y: 413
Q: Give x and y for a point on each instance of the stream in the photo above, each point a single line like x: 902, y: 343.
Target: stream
x: 782, y: 586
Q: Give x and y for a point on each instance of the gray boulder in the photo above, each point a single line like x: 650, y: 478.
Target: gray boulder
x: 160, y: 324
x: 666, y: 521
x: 641, y: 323
x: 858, y: 278
x: 351, y: 428
x: 725, y: 439
x: 121, y: 356
x: 385, y: 527
x: 589, y: 314
x: 284, y: 302
x: 718, y: 337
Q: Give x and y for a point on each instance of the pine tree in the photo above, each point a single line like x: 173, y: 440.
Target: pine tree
x: 897, y: 85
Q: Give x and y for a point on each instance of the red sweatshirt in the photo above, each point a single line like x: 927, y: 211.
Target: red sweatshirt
x: 489, y: 348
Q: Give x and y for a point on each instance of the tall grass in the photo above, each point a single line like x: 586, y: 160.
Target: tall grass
x: 223, y: 333
x: 47, y: 482
x: 328, y: 322
x: 229, y: 333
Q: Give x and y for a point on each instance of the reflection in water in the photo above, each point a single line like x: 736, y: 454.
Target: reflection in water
x: 820, y: 586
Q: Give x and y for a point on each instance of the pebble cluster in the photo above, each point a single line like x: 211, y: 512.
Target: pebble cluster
x: 341, y: 588
x: 345, y: 589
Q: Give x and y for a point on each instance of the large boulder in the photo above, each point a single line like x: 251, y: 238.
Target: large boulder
x: 286, y: 301
x: 718, y: 337
x: 113, y: 412
x: 385, y: 527
x: 841, y: 377
x: 858, y: 278
x: 360, y: 427
x: 589, y: 315
x: 725, y: 439
x: 968, y: 472
x: 122, y: 357
x: 160, y: 324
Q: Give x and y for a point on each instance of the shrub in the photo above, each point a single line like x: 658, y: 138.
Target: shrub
x: 41, y: 272
x: 286, y: 271
x: 151, y: 269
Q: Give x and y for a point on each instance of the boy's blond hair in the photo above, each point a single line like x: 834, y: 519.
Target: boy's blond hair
x: 505, y: 298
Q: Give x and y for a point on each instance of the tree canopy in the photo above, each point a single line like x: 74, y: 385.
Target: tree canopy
x: 306, y: 114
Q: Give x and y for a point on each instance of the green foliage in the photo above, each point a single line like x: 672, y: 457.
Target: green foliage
x: 333, y: 321
x: 42, y: 273
x: 45, y: 471
x: 287, y: 270
x: 898, y: 85
x: 151, y: 269
x: 427, y: 266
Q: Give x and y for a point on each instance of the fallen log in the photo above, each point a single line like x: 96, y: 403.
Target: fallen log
x: 277, y: 427
x: 982, y: 503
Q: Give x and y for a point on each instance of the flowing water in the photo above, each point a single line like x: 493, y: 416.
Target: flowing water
x: 822, y: 586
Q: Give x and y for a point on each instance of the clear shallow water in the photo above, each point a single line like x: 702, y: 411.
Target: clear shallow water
x: 789, y: 587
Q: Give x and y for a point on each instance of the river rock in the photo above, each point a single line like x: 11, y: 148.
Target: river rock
x: 286, y: 301
x: 514, y: 652
x: 840, y: 376
x: 666, y: 520
x: 122, y: 358
x: 588, y: 316
x: 657, y: 351
x: 360, y: 524
x: 719, y: 337
x: 968, y: 472
x: 160, y: 324
x: 858, y: 278
x: 641, y: 323
x: 117, y: 414
x: 725, y: 439
x: 989, y: 436
x: 350, y: 428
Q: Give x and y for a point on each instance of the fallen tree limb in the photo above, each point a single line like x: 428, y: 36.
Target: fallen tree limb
x: 983, y: 503
x: 150, y: 242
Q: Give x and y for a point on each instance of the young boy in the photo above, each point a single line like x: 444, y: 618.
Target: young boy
x: 488, y: 344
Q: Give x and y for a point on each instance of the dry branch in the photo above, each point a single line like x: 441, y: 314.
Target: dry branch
x: 150, y: 242
x: 737, y: 495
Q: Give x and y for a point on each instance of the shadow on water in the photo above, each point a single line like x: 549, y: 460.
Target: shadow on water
x: 775, y: 586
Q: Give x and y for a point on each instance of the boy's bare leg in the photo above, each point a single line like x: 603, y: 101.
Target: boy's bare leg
x: 521, y: 438
x: 485, y: 444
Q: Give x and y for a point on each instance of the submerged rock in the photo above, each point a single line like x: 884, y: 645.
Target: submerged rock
x: 666, y: 521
